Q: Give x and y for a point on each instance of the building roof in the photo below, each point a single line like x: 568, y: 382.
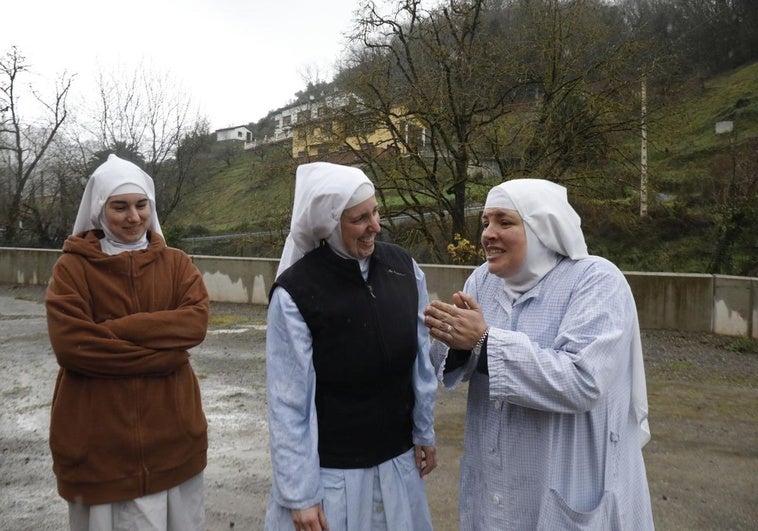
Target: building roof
x: 233, y: 128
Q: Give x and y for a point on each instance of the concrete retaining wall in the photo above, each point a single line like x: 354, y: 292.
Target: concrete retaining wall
x: 671, y: 300
x: 26, y: 266
x: 700, y: 303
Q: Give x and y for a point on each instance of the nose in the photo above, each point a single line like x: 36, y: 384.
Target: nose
x: 375, y: 226
x: 132, y: 214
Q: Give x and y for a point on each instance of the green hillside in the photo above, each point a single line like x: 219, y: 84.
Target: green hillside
x: 702, y: 190
x: 239, y: 195
x: 247, y: 191
x: 684, y: 140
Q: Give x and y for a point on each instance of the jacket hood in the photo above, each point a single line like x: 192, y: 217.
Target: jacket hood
x: 87, y: 245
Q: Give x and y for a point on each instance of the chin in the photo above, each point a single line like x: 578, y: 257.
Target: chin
x: 498, y: 270
x: 130, y: 238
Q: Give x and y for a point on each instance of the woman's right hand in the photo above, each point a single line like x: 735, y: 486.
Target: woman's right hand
x: 310, y: 519
x: 458, y: 325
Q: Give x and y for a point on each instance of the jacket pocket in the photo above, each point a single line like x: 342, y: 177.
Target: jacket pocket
x: 70, y: 420
x: 188, y: 402
x: 555, y: 513
x: 335, y: 498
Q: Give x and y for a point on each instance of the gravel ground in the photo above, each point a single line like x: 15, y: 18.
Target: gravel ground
x: 702, y: 462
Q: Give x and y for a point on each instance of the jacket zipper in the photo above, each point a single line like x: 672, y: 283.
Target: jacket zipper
x: 138, y: 437
x: 132, y: 282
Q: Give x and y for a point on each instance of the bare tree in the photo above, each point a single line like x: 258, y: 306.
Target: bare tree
x: 181, y: 171
x: 143, y: 116
x: 433, y: 79
x: 24, y: 141
x: 51, y: 206
x: 585, y: 72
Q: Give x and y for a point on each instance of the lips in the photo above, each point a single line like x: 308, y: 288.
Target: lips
x: 493, y: 252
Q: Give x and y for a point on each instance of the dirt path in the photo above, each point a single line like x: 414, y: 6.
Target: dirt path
x: 702, y: 461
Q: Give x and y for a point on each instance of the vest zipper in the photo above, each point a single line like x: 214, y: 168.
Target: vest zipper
x: 370, y: 290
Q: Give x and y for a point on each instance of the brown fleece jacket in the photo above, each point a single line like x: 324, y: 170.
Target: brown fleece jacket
x: 126, y: 419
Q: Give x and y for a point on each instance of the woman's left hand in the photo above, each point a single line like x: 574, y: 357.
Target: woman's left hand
x: 458, y: 325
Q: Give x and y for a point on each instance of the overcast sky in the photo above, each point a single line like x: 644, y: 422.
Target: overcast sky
x: 238, y: 59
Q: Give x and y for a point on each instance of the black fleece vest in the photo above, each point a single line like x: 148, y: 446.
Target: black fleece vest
x: 364, y: 348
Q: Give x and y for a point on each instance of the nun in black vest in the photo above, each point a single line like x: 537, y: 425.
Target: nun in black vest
x: 351, y: 388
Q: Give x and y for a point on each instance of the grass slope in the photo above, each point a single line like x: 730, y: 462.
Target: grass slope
x: 683, y: 137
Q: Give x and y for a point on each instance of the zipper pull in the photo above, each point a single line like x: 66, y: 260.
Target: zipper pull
x: 370, y: 290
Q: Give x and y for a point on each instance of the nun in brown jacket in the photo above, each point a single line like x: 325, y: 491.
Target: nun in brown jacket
x: 127, y: 433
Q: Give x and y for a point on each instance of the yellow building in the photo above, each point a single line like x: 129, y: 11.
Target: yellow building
x: 337, y: 130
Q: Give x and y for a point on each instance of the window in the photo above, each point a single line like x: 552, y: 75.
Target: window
x: 361, y: 126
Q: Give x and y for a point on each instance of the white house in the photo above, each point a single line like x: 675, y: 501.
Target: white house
x: 240, y: 133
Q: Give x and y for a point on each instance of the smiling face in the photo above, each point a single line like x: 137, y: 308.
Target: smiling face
x: 127, y: 216
x: 359, y: 226
x: 504, y: 241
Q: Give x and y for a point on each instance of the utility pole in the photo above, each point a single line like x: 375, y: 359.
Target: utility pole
x: 643, y: 147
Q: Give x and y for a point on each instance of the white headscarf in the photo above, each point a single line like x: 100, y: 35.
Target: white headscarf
x: 322, y: 192
x: 553, y: 228
x: 544, y: 207
x: 114, y: 176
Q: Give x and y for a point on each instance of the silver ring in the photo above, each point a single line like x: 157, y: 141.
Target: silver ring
x: 449, y: 328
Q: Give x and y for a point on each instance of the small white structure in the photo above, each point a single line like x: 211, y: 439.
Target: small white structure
x: 726, y: 126
x: 240, y: 133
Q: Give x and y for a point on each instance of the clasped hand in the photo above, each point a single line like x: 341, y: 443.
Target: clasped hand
x: 458, y: 325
